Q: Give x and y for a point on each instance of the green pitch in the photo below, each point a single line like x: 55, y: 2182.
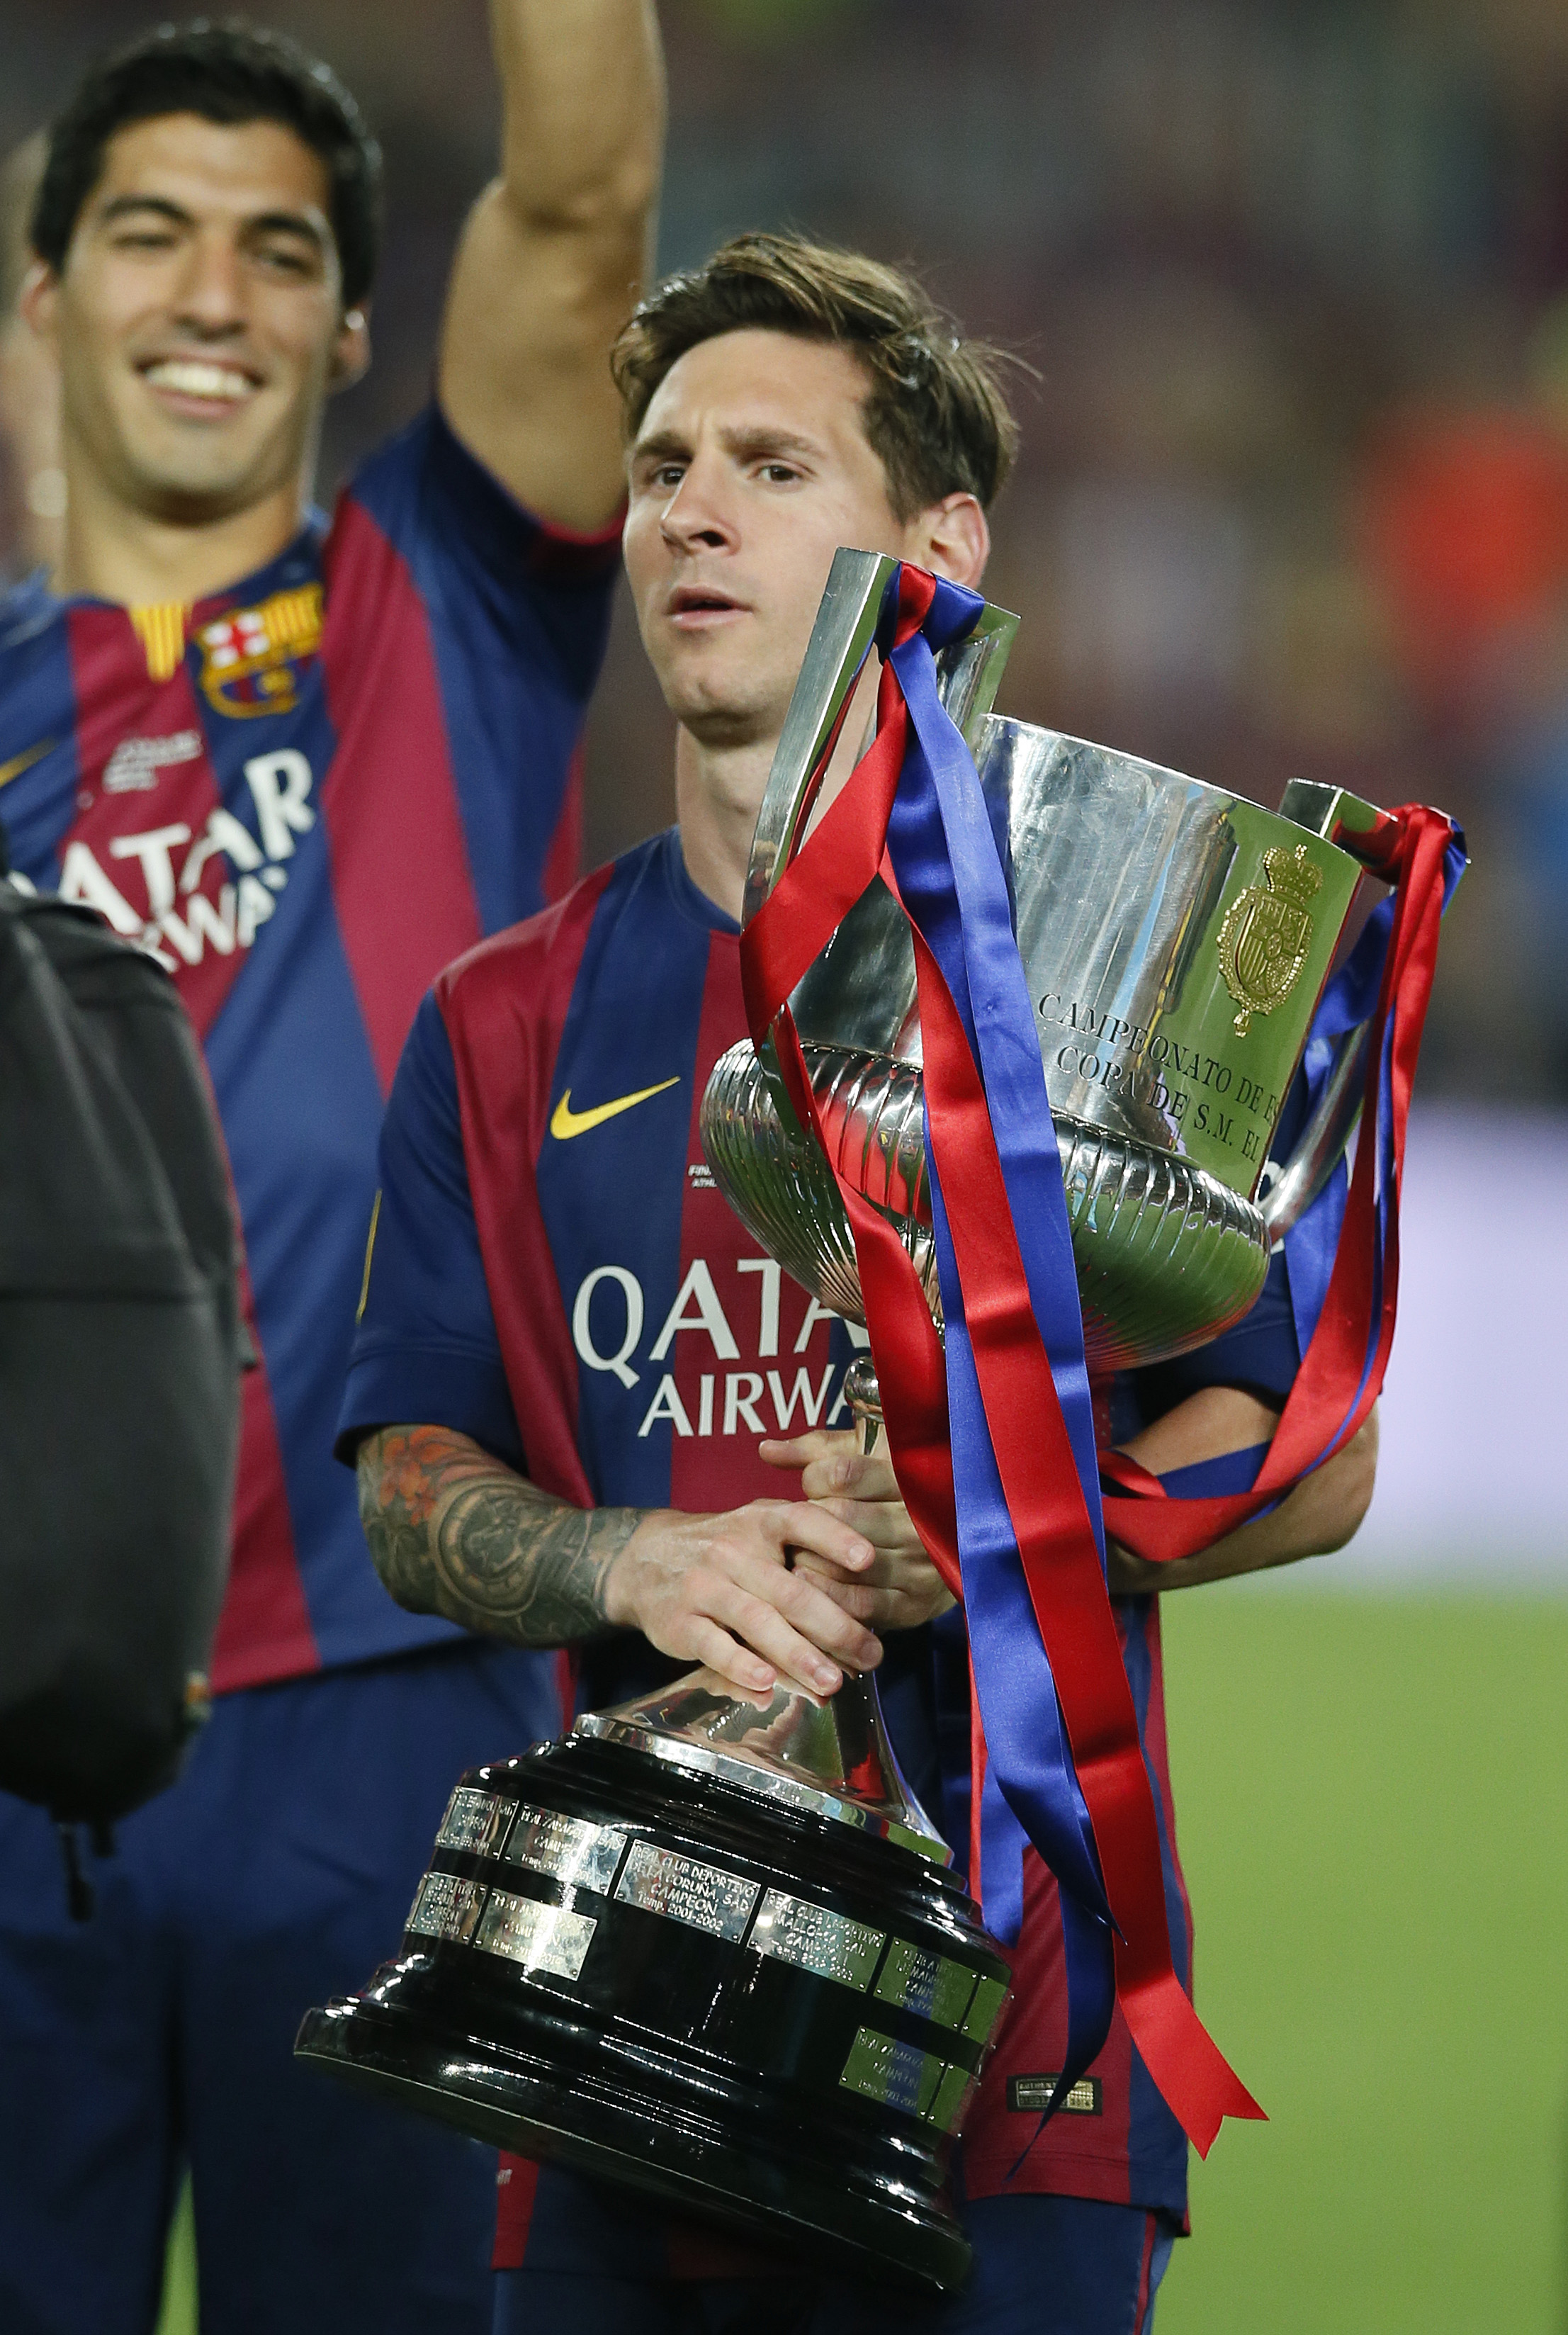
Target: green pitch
x: 1374, y: 1803
x: 178, y: 2313
x: 1372, y: 1797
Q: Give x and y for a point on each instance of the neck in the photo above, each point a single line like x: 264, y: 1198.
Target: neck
x: 114, y: 551
x: 718, y: 794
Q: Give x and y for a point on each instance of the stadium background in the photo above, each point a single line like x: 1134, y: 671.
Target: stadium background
x: 1293, y: 277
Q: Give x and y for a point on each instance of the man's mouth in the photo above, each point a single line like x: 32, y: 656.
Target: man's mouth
x: 200, y: 382
x: 694, y: 606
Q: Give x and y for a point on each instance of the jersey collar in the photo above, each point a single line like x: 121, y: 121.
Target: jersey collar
x: 298, y: 562
x: 694, y: 905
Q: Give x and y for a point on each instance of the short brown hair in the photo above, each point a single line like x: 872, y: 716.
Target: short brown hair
x: 231, y: 74
x: 935, y: 412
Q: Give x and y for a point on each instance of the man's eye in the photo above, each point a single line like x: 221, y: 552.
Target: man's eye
x: 148, y: 238
x: 779, y: 474
x: 286, y: 262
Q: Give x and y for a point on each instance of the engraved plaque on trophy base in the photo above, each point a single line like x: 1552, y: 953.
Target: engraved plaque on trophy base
x: 746, y: 2004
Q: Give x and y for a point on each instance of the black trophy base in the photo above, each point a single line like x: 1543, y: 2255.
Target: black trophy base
x: 617, y: 2131
x: 759, y: 2016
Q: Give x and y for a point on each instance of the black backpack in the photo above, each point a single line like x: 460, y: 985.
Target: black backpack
x: 121, y: 1346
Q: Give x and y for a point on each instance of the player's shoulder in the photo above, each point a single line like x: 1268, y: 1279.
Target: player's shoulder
x: 527, y: 963
x: 389, y: 475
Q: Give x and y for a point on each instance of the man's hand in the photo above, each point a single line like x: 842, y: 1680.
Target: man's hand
x: 735, y: 1592
x: 901, y: 1587
x: 454, y: 1531
x: 556, y: 252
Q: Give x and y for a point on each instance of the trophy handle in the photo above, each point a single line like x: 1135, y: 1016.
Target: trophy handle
x: 968, y: 677
x: 1303, y: 1177
x: 1367, y: 833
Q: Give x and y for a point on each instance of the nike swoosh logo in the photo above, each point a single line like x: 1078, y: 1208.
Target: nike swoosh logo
x: 566, y: 1122
x: 20, y: 762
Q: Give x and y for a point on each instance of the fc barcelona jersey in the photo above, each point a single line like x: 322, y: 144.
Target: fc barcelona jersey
x: 303, y: 796
x: 554, y: 1273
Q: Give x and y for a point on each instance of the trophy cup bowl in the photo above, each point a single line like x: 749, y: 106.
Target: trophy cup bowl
x: 1175, y: 940
x: 709, y: 1947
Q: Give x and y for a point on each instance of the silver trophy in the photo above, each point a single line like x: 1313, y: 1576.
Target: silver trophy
x: 709, y: 1946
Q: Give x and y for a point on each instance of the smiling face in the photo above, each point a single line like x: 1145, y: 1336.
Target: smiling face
x: 749, y: 470
x: 198, y: 318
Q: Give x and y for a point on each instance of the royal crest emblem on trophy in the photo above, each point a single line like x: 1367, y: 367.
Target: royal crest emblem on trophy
x: 1267, y: 933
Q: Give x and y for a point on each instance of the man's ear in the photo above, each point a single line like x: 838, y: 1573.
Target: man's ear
x: 350, y: 350
x: 953, y: 539
x: 37, y: 299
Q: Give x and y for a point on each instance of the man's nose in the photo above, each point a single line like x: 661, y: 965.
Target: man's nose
x: 210, y: 296
x: 697, y: 515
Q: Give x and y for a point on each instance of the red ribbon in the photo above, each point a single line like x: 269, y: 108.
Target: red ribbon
x: 784, y: 937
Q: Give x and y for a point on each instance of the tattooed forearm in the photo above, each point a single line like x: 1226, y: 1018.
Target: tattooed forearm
x: 454, y: 1532
x: 533, y: 1568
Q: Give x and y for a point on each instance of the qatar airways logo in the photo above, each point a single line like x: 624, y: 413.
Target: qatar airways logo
x: 609, y: 1318
x: 181, y: 922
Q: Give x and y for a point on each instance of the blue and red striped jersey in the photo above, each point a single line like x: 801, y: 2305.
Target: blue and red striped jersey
x: 554, y: 1270
x: 554, y: 1273
x: 305, y: 796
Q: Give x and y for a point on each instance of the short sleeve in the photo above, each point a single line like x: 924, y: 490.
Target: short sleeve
x: 1259, y: 1352
x: 425, y: 1349
x: 486, y: 563
x: 517, y: 614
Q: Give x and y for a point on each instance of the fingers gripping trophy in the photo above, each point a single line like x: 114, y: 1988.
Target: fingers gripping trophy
x: 1025, y: 1012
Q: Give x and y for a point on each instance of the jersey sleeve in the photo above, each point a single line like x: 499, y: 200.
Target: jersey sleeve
x: 425, y: 1349
x: 1259, y: 1352
x: 484, y: 558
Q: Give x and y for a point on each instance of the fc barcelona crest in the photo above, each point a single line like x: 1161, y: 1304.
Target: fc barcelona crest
x: 1266, y: 934
x: 250, y: 658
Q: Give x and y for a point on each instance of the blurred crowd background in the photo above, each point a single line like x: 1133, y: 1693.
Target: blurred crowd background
x: 1292, y: 276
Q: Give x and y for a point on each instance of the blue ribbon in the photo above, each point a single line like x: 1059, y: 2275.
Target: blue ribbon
x: 1031, y: 1789
x: 946, y: 856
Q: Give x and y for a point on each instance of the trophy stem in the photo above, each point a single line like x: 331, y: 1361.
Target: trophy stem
x: 864, y: 1397
x: 835, y: 1757
x: 858, y: 1692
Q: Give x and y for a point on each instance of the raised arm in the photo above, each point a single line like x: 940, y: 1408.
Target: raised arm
x: 1319, y: 1516
x: 453, y: 1531
x: 556, y: 252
